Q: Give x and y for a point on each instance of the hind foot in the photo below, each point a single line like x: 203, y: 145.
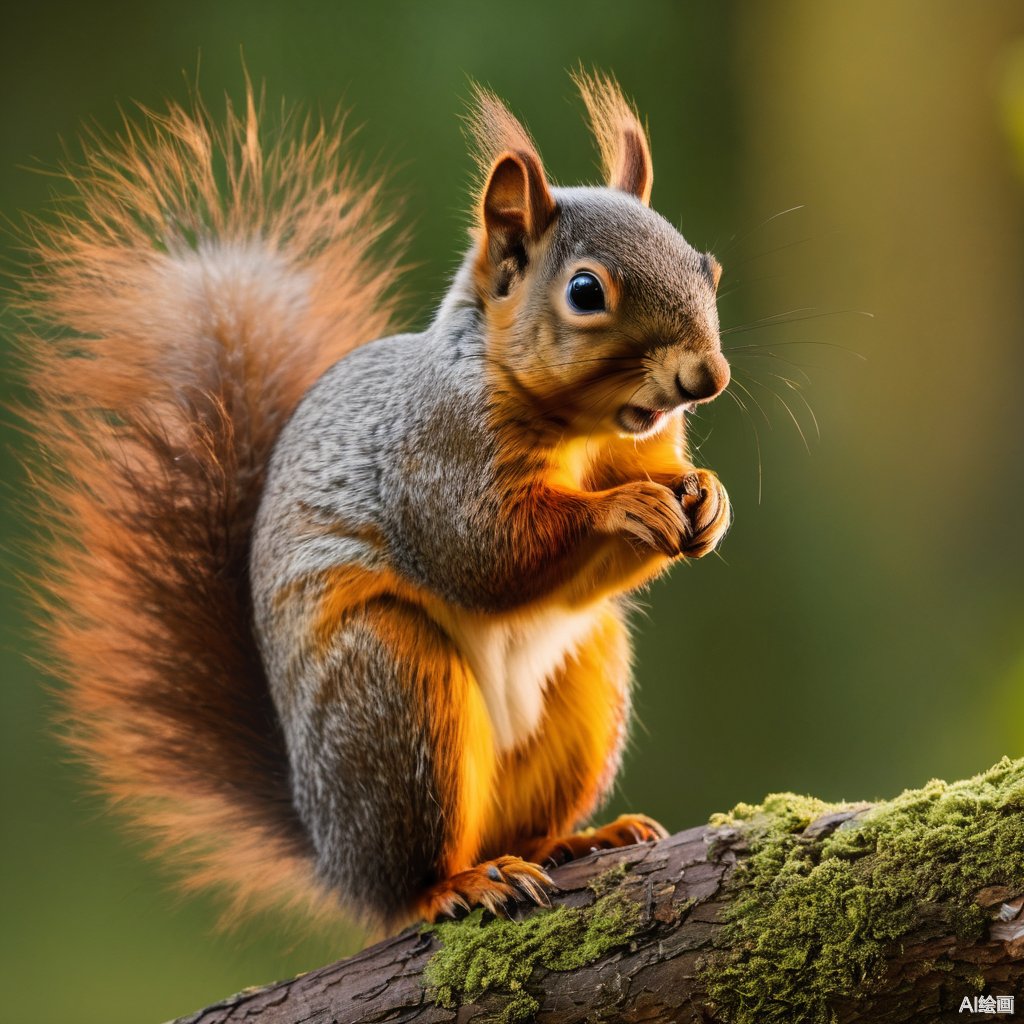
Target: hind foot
x: 492, y: 885
x: 625, y: 830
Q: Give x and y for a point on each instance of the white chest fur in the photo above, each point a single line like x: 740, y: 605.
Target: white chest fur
x: 513, y: 657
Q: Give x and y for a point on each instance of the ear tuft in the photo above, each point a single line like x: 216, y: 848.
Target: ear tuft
x: 494, y: 130
x: 620, y: 135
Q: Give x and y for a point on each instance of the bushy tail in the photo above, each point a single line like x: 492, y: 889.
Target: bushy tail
x: 187, y: 295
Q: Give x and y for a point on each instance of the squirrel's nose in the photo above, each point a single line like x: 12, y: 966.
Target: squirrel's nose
x: 703, y: 378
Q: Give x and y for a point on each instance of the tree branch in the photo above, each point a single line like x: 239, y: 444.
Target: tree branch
x: 792, y: 910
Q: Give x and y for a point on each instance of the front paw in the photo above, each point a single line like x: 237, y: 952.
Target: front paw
x: 706, y: 509
x: 651, y: 515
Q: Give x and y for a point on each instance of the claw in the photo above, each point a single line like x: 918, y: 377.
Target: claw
x: 529, y: 889
x: 491, y: 885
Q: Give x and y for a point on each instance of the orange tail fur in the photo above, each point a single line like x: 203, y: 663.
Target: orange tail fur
x: 189, y: 293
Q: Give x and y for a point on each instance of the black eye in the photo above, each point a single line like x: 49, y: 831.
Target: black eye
x: 585, y: 293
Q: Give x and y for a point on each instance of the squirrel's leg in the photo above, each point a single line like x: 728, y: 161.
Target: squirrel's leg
x: 555, y: 780
x: 392, y: 770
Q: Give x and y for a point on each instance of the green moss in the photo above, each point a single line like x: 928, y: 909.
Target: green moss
x: 812, y: 919
x: 609, y: 880
x: 498, y: 955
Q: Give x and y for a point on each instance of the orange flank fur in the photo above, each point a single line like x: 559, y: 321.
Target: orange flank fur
x: 343, y: 590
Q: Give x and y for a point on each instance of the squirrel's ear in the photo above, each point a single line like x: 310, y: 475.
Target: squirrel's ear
x: 625, y: 151
x: 517, y: 206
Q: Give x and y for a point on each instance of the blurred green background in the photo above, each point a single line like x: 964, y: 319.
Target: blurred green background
x: 861, y: 631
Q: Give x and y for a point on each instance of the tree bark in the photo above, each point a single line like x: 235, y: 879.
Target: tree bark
x: 675, y: 902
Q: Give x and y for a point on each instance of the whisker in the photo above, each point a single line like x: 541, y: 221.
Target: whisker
x: 785, y: 405
x: 800, y: 368
x: 781, y: 248
x: 692, y: 420
x: 736, y: 284
x: 795, y: 388
x: 805, y: 377
x: 788, y: 318
x: 786, y: 344
x: 774, y: 318
x: 568, y: 362
x: 757, y: 438
x: 594, y: 359
x: 795, y: 384
x: 734, y: 240
x: 751, y: 396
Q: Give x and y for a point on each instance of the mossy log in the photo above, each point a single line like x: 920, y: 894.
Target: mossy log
x: 791, y: 910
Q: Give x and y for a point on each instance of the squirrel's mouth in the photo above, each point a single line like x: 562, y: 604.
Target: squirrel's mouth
x: 635, y: 419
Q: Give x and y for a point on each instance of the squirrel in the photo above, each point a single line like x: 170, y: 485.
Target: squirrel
x: 341, y: 613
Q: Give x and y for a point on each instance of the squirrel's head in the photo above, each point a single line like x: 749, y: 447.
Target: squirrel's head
x: 599, y: 310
